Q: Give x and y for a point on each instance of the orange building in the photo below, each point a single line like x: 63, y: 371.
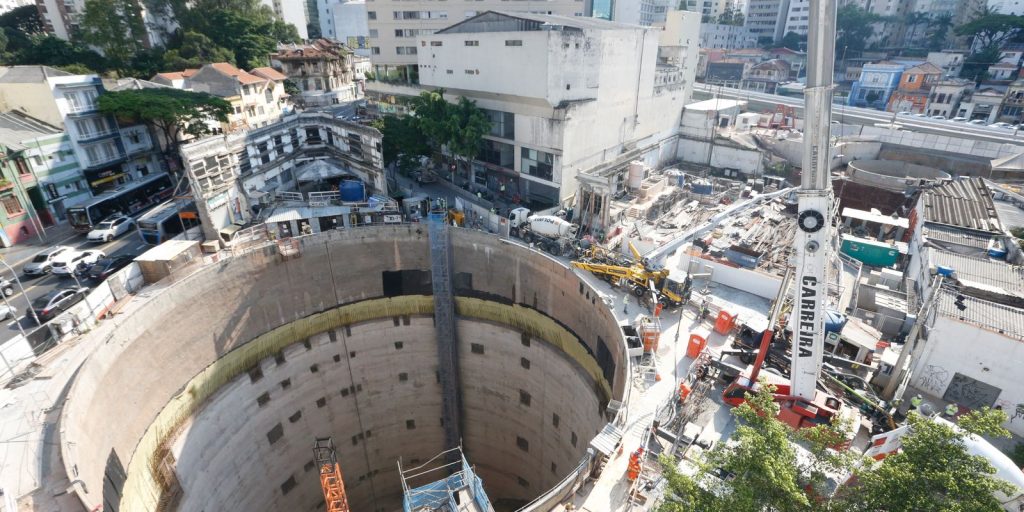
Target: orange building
x: 912, y: 93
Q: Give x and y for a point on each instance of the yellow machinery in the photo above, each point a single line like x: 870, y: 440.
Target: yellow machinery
x: 639, y: 277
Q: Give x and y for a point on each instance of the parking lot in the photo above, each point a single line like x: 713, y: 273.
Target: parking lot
x: 35, y: 287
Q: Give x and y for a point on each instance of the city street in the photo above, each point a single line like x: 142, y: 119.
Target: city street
x: 35, y: 287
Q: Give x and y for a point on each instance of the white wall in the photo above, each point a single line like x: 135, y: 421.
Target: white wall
x: 746, y: 160
x: 292, y: 11
x: 956, y: 347
x: 757, y: 283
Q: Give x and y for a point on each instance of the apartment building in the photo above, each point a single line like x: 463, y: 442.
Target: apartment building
x: 767, y: 19
x: 727, y: 37
x: 396, y: 26
x: 291, y: 11
x: 944, y: 98
x: 10, y: 5
x: 796, y: 18
x: 876, y: 84
x: 345, y: 21
x: 257, y: 98
x: 109, y: 154
x: 322, y: 70
x: 1011, y: 110
x: 961, y: 11
x: 566, y: 95
x: 62, y: 18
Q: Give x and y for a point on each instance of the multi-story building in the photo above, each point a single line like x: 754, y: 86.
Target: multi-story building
x: 726, y: 72
x: 557, y: 108
x: 1012, y: 53
x: 109, y: 154
x: 1012, y: 106
x: 950, y: 61
x: 766, y: 76
x: 10, y: 5
x: 796, y: 18
x: 636, y: 12
x: 231, y: 173
x: 960, y: 12
x: 944, y: 98
x: 257, y: 98
x: 291, y: 11
x: 62, y: 18
x: 876, y: 84
x: 729, y: 37
x: 345, y: 21
x: 1002, y: 71
x: 24, y: 212
x: 396, y: 26
x: 912, y: 94
x: 766, y: 19
x: 321, y: 69
x: 982, y: 104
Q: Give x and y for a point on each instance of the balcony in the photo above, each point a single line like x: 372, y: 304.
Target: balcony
x: 82, y: 110
x: 85, y: 138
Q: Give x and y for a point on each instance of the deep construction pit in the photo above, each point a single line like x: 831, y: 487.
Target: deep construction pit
x: 209, y: 396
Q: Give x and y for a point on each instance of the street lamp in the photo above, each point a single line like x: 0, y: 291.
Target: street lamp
x: 22, y: 288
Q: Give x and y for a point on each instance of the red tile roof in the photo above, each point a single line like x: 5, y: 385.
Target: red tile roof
x: 242, y: 76
x: 269, y: 73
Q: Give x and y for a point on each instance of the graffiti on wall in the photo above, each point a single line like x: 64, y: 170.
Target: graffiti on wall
x: 971, y: 393
x: 932, y: 380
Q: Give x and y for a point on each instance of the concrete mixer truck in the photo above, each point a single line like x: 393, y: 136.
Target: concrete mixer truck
x: 551, y: 233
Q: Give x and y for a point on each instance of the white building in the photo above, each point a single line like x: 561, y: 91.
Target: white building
x: 633, y: 12
x: 257, y: 98
x: 291, y: 11
x: 396, y: 26
x: 62, y: 17
x: 951, y: 62
x: 565, y: 94
x: 766, y: 19
x: 944, y: 98
x: 346, y: 22
x: 109, y: 154
x: 726, y: 37
x: 1014, y: 7
x: 796, y: 18
x: 10, y: 5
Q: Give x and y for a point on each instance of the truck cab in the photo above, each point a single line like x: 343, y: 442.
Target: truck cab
x: 517, y: 217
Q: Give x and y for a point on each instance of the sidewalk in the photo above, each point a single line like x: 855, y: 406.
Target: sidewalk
x: 55, y: 235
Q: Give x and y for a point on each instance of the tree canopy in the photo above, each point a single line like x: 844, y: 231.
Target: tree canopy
x: 116, y: 28
x: 854, y: 28
x: 403, y: 142
x: 933, y: 471
x: 195, y: 50
x: 172, y: 112
x: 993, y: 29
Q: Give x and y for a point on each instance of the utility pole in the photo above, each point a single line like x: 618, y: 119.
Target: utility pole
x: 894, y: 388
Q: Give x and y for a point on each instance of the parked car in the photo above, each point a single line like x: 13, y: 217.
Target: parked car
x: 938, y: 118
x: 7, y: 286
x: 979, y: 122
x: 1001, y: 125
x: 43, y: 262
x: 959, y: 119
x: 103, y: 268
x: 75, y: 261
x: 921, y: 115
x: 6, y: 311
x: 110, y: 229
x: 905, y: 113
x: 426, y: 176
x: 55, y: 303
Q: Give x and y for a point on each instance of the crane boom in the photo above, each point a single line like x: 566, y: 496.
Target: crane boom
x: 814, y: 203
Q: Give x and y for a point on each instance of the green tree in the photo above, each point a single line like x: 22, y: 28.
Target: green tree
x: 195, y: 50
x: 116, y: 28
x: 76, y: 69
x: 990, y: 30
x: 976, y: 64
x: 467, y: 127
x: 934, y: 470
x: 854, y: 28
x: 793, y: 41
x: 913, y: 20
x: 938, y: 30
x: 170, y: 112
x: 48, y: 50
x: 432, y: 116
x: 730, y: 16
x: 403, y: 142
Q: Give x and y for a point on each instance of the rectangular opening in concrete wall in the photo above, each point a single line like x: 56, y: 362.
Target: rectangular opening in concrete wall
x: 113, y: 481
x: 402, y: 377
x: 523, y: 482
x: 399, y: 345
x: 406, y: 282
x: 308, y: 344
x: 275, y: 433
x: 524, y: 398
x: 463, y: 281
x: 288, y: 485
x: 604, y: 360
x: 522, y: 444
x: 476, y: 348
x: 573, y: 439
x: 525, y: 339
x: 285, y: 384
x: 555, y: 420
x: 263, y: 399
x: 255, y: 374
x: 410, y: 424
x: 295, y: 417
x: 524, y: 362
x: 279, y: 358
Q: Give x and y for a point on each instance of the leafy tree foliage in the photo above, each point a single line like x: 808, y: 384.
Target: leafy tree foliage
x: 934, y: 471
x: 976, y: 64
x: 48, y: 50
x: 116, y: 28
x: 170, y: 112
x: 938, y: 30
x: 403, y: 141
x: 793, y: 41
x: 731, y: 16
x: 854, y: 27
x: 990, y: 30
x: 195, y: 50
x: 459, y: 127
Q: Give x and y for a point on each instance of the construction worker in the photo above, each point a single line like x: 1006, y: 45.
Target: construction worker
x: 625, y: 304
x: 915, y: 402
x: 951, y: 410
x: 896, y: 403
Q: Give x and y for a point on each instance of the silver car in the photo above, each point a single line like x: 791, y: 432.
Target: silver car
x: 43, y: 262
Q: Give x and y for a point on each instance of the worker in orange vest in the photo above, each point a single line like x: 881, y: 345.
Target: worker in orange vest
x: 633, y: 471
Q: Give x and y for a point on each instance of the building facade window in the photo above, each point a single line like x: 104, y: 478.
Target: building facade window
x: 538, y: 163
x: 12, y: 206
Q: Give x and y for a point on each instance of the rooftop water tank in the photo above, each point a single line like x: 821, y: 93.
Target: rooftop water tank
x: 352, y: 191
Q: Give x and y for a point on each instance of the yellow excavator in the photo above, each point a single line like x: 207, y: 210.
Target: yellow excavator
x: 637, y: 275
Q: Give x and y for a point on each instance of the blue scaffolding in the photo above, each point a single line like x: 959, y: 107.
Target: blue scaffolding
x: 461, y: 490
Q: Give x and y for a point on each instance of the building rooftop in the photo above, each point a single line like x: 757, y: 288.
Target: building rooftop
x: 16, y: 127
x: 319, y: 49
x: 125, y: 84
x: 269, y: 73
x: 940, y: 235
x: 178, y: 75
x: 501, y: 21
x: 714, y: 105
x: 1005, y: 320
x: 993, y: 274
x: 242, y: 76
x: 925, y: 69
x: 965, y: 203
x: 28, y: 74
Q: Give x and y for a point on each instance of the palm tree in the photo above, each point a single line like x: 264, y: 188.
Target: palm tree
x: 938, y: 29
x: 913, y: 20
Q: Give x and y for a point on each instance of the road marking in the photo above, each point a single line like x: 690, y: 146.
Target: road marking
x: 16, y: 321
x: 141, y: 247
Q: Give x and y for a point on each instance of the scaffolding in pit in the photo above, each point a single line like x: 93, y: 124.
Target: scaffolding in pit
x: 648, y: 328
x: 457, y: 487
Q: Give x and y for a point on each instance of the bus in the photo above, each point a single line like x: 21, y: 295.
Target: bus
x: 128, y: 199
x: 167, y: 221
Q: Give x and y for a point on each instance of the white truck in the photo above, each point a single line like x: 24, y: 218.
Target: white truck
x: 551, y: 233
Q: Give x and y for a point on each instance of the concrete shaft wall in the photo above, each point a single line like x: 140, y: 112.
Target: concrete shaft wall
x: 380, y: 405
x: 187, y: 329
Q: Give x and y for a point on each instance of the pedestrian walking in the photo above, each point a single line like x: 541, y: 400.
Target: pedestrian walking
x: 915, y: 402
x: 625, y: 304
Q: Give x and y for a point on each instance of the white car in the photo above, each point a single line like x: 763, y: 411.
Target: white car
x: 979, y: 122
x: 110, y: 229
x: 959, y: 119
x: 6, y: 311
x: 1001, y: 125
x: 905, y: 113
x: 75, y: 261
x: 938, y: 118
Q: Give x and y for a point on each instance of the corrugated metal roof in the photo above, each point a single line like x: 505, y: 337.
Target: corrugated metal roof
x: 999, y: 318
x: 966, y: 203
x: 940, y: 233
x: 16, y: 127
x: 28, y: 74
x: 989, y: 272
